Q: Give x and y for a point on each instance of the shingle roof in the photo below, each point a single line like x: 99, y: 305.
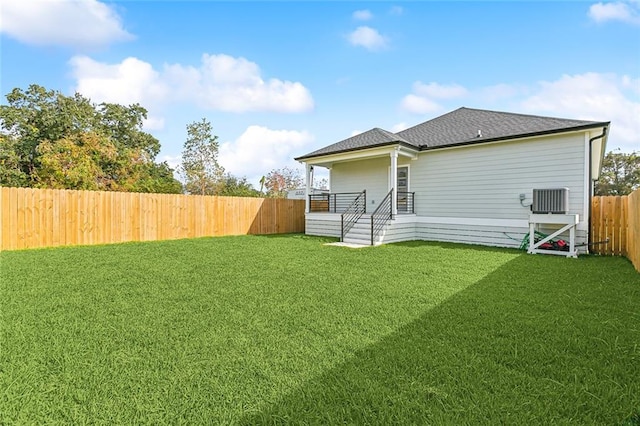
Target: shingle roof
x: 464, y: 126
x: 369, y: 139
x: 460, y: 127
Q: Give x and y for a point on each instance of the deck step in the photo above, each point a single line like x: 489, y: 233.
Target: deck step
x: 360, y: 232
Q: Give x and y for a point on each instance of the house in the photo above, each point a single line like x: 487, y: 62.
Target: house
x: 468, y: 176
x: 301, y: 193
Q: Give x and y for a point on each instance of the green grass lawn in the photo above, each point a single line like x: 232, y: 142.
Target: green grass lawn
x: 283, y: 329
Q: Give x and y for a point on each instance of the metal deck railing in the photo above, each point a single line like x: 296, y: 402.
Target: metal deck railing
x: 353, y: 212
x: 336, y: 202
x: 381, y: 215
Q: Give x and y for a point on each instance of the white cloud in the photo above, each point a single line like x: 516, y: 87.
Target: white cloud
x: 631, y: 84
x: 219, y: 82
x: 439, y: 91
x: 356, y: 132
x: 399, y: 127
x: 424, y: 98
x: 225, y: 83
x: 593, y: 96
x: 419, y: 105
x: 153, y: 123
x: 369, y: 38
x: 589, y: 96
x: 362, y: 15
x: 172, y: 160
x: 616, y: 11
x: 130, y: 81
x: 80, y: 24
x: 260, y: 149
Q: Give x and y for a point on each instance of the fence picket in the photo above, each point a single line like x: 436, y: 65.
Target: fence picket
x: 34, y: 218
x: 617, y: 218
x: 633, y: 228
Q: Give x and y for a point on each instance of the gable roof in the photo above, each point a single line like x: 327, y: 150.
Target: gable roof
x: 369, y: 139
x: 463, y: 126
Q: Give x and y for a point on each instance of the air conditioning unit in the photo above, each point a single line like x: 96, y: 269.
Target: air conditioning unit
x: 554, y: 200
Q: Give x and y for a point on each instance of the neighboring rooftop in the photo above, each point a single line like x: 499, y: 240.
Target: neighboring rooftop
x: 460, y: 127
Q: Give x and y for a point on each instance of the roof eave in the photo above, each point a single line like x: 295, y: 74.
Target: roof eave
x: 518, y: 136
x: 342, y: 151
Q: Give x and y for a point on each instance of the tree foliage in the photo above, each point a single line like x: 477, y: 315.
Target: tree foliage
x: 620, y: 174
x: 50, y: 140
x: 200, y: 169
x: 233, y: 186
x: 321, y: 184
x: 279, y: 181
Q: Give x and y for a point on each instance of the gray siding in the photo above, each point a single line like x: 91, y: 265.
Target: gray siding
x: 354, y: 176
x: 399, y: 231
x: 497, y: 236
x: 485, y: 181
x: 315, y: 225
x: 483, y: 235
x: 415, y: 228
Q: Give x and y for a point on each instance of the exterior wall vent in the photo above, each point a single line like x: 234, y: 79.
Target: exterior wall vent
x: 555, y: 200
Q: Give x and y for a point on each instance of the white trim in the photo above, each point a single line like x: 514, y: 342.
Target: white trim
x: 324, y: 216
x: 598, y: 153
x: 323, y: 160
x: 569, y: 220
x: 470, y: 221
x: 467, y: 221
x: 587, y: 182
x: 394, y: 182
x: 307, y: 178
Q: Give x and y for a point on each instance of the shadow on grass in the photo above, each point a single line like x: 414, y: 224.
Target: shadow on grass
x: 455, y: 246
x: 559, y: 346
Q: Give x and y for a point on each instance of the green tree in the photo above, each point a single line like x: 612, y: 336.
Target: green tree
x: 233, y: 186
x: 279, y: 181
x: 158, y: 178
x: 620, y: 174
x: 57, y: 141
x: 11, y: 172
x: 74, y: 162
x: 263, y: 180
x: 37, y: 115
x: 200, y: 169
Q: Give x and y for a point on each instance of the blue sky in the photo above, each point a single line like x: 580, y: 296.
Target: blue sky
x: 280, y: 79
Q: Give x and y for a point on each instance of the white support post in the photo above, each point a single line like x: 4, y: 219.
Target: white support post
x: 570, y: 221
x: 394, y: 182
x: 307, y: 179
x: 572, y: 241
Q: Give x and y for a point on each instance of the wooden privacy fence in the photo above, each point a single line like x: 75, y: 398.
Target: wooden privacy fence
x: 33, y: 218
x: 618, y: 219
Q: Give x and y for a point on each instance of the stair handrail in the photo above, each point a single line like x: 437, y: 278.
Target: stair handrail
x: 351, y: 215
x: 381, y: 215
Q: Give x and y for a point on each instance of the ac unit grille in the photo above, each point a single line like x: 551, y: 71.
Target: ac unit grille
x: 555, y: 200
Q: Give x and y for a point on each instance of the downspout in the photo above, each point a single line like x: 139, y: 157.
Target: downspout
x: 600, y: 136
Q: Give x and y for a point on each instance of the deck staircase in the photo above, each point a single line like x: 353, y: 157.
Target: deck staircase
x: 360, y: 233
